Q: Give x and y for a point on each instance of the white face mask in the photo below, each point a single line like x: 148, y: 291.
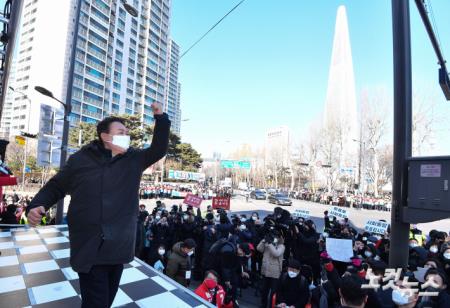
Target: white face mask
x: 275, y: 240
x: 412, y: 245
x: 242, y: 227
x: 400, y: 298
x: 447, y: 255
x: 158, y: 217
x: 254, y: 217
x: 433, y: 249
x: 122, y: 141
x: 368, y: 254
x: 185, y: 217
x: 292, y: 274
x: 190, y: 253
x: 161, y: 252
x: 243, y: 219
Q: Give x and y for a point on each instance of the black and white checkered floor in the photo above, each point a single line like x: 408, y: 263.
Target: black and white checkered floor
x: 35, y: 272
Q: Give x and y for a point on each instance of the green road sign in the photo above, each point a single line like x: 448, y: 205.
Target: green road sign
x: 244, y: 164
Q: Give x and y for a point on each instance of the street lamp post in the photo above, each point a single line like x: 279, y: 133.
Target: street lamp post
x: 25, y: 154
x: 64, y: 142
x: 362, y: 146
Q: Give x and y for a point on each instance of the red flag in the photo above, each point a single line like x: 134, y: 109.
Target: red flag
x: 193, y: 200
x: 221, y: 203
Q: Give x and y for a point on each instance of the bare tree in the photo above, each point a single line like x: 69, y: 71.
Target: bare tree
x: 425, y: 122
x: 374, y: 111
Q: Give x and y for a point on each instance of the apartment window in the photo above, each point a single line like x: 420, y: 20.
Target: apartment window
x: 122, y: 13
x: 119, y: 43
x: 95, y: 73
x: 100, y: 15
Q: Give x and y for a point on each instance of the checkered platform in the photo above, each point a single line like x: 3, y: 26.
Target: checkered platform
x: 35, y: 272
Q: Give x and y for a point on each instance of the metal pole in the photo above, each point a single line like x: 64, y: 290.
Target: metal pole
x: 359, y: 166
x: 67, y: 109
x: 399, y: 252
x: 26, y: 144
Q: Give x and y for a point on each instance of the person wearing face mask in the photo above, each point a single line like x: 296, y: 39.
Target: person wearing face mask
x: 435, y: 281
x: 211, y: 291
x: 445, y: 257
x: 292, y: 291
x: 159, y: 260
x: 179, y: 264
x: 103, y: 180
x: 272, y: 248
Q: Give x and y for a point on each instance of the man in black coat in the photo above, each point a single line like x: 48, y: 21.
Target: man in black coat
x: 293, y: 289
x: 103, y: 181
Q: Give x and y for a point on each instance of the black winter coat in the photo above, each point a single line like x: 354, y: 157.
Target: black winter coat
x: 293, y: 291
x: 104, y: 199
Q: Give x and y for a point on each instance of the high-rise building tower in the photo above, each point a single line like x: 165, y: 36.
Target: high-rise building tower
x: 121, y: 62
x: 172, y: 104
x: 340, y: 107
x: 41, y: 59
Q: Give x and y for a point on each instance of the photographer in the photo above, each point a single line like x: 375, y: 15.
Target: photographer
x: 308, y: 246
x: 272, y: 248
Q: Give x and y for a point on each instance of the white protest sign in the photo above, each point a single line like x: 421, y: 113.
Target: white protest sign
x: 375, y: 226
x: 301, y: 213
x: 339, y: 249
x: 338, y: 212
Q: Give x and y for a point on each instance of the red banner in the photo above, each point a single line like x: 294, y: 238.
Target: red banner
x: 221, y: 203
x: 193, y: 200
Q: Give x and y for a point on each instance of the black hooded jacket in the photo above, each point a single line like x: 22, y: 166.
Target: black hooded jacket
x: 104, y: 202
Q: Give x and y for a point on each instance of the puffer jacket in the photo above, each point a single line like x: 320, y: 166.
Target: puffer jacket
x: 272, y: 258
x: 177, y: 264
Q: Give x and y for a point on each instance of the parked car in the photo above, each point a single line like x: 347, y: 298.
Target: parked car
x: 258, y: 195
x: 280, y: 199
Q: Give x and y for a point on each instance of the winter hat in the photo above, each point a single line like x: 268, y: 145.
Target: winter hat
x: 294, y: 264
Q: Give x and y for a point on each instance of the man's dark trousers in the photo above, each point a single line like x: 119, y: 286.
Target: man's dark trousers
x: 99, y: 286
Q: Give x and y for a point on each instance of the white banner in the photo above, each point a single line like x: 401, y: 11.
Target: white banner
x: 375, y: 226
x: 338, y: 212
x: 339, y: 249
x: 301, y: 213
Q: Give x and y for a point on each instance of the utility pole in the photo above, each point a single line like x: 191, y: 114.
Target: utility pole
x: 399, y: 252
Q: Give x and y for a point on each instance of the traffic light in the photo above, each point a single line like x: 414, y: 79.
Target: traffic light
x: 28, y: 135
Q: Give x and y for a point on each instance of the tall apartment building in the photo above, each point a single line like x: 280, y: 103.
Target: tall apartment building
x: 41, y: 59
x: 172, y: 104
x: 121, y: 62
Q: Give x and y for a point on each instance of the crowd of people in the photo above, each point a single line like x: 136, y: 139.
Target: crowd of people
x: 178, y: 191
x: 348, y: 199
x: 12, y: 210
x: 284, y: 259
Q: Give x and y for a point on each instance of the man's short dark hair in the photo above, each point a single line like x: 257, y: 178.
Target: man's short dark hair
x: 189, y: 243
x: 212, y: 272
x: 103, y: 125
x: 351, y: 290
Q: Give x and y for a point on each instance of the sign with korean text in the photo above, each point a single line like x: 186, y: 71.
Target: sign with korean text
x: 338, y: 212
x: 185, y: 175
x: 375, y: 226
x: 221, y: 203
x: 193, y: 200
x: 430, y: 171
x: 339, y: 249
x: 235, y: 164
x: 301, y: 213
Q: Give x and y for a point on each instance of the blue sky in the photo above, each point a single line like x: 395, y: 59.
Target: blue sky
x: 267, y: 63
